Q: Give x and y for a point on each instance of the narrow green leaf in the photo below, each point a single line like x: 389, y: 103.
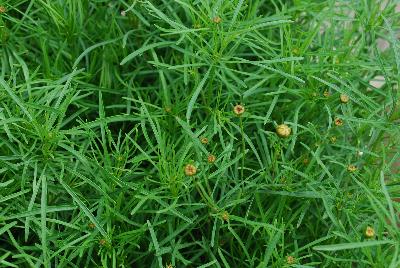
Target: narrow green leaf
x: 43, y: 208
x: 344, y: 246
x: 84, y: 209
x: 17, y: 100
x: 155, y: 243
x: 89, y: 49
x: 196, y: 95
x: 143, y: 49
x: 7, y: 227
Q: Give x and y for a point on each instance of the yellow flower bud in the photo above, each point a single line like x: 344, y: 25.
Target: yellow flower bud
x: 238, y: 110
x: 283, y: 130
x: 190, y: 170
x: 344, y: 98
x: 369, y: 232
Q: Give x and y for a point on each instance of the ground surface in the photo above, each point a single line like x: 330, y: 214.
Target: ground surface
x: 177, y: 133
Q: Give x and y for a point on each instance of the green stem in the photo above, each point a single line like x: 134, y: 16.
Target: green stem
x: 243, y: 147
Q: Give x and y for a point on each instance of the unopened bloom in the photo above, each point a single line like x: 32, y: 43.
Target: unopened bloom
x: 290, y: 260
x: 190, y: 170
x: 225, y: 216
x: 211, y: 158
x: 344, y: 98
x: 238, y: 110
x: 338, y: 122
x: 351, y: 168
x: 283, y: 130
x: 204, y: 140
x: 369, y: 232
x: 217, y: 19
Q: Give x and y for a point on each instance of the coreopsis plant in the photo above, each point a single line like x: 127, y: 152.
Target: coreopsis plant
x: 179, y: 133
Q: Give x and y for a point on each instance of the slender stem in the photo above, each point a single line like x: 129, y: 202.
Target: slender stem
x: 243, y: 147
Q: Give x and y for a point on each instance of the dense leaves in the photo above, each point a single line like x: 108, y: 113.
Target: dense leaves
x: 240, y: 133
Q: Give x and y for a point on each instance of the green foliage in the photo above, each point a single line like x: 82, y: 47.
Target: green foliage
x: 104, y: 103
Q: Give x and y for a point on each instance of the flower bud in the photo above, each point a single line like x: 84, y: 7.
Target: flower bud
x: 283, y: 130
